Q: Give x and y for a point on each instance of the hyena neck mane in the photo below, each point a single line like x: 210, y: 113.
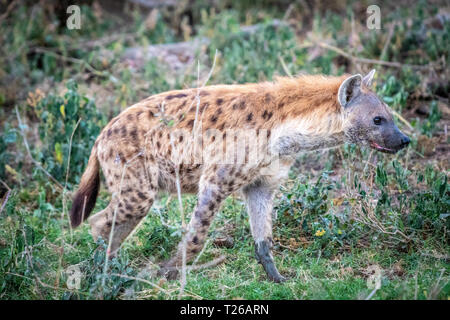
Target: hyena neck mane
x: 310, y: 116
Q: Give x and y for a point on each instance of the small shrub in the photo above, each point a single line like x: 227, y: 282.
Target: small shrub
x: 58, y: 117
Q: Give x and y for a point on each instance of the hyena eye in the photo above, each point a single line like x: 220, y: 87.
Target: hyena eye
x: 377, y: 120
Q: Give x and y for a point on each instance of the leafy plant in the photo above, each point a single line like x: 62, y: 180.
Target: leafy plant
x: 68, y: 125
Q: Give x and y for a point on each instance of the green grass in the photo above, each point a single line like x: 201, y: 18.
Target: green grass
x: 342, y: 212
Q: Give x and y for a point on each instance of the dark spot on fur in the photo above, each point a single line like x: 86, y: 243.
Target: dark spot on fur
x: 141, y: 195
x: 130, y: 116
x: 267, y: 115
x: 213, y: 119
x: 191, y: 123
x: 219, y: 101
x: 124, y: 131
x: 202, y: 108
x: 173, y: 96
x: 134, y: 134
x: 195, y: 240
x: 249, y: 117
x: 180, y: 139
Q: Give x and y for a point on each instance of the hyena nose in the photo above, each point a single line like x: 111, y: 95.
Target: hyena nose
x: 405, y: 141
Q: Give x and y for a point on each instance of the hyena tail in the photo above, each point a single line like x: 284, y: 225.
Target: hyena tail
x: 84, y: 199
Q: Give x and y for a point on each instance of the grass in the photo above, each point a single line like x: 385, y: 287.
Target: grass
x: 342, y: 214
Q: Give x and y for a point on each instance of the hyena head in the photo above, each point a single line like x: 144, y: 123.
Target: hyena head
x: 368, y: 120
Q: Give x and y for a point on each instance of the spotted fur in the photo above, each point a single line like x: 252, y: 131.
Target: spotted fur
x: 142, y: 149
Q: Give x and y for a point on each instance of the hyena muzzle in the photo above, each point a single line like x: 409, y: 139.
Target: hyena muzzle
x: 153, y: 146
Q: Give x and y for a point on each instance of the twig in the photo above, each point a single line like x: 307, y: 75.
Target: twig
x: 434, y: 292
x: 201, y: 252
x: 45, y: 284
x: 416, y: 287
x: 5, y: 184
x: 8, y: 10
x: 140, y: 280
x: 209, y: 264
x: 368, y: 161
x: 399, y: 116
x: 73, y: 60
x: 5, y: 201
x: 197, y: 98
x: 67, y: 173
x: 444, y: 257
x: 373, y: 61
x: 388, y: 40
x: 64, y: 204
x: 27, y: 147
x: 102, y: 42
x: 283, y: 64
x: 371, y: 294
x: 151, y: 4
x: 206, y: 265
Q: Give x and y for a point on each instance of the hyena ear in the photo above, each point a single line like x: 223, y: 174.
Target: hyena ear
x: 367, y: 80
x: 349, y: 89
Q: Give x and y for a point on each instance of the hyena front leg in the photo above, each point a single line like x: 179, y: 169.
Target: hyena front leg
x: 210, y: 197
x: 259, y: 198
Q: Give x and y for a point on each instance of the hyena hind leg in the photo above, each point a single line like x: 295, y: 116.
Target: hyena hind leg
x: 259, y: 198
x: 129, y: 210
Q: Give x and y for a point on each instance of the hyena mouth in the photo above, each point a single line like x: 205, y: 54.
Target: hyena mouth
x: 377, y: 147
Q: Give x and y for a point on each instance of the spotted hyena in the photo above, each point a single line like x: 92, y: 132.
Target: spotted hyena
x: 216, y: 140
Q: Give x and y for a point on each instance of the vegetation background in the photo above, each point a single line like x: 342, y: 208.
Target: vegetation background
x: 345, y: 217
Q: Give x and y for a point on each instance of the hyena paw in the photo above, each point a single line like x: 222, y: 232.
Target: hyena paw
x: 277, y: 278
